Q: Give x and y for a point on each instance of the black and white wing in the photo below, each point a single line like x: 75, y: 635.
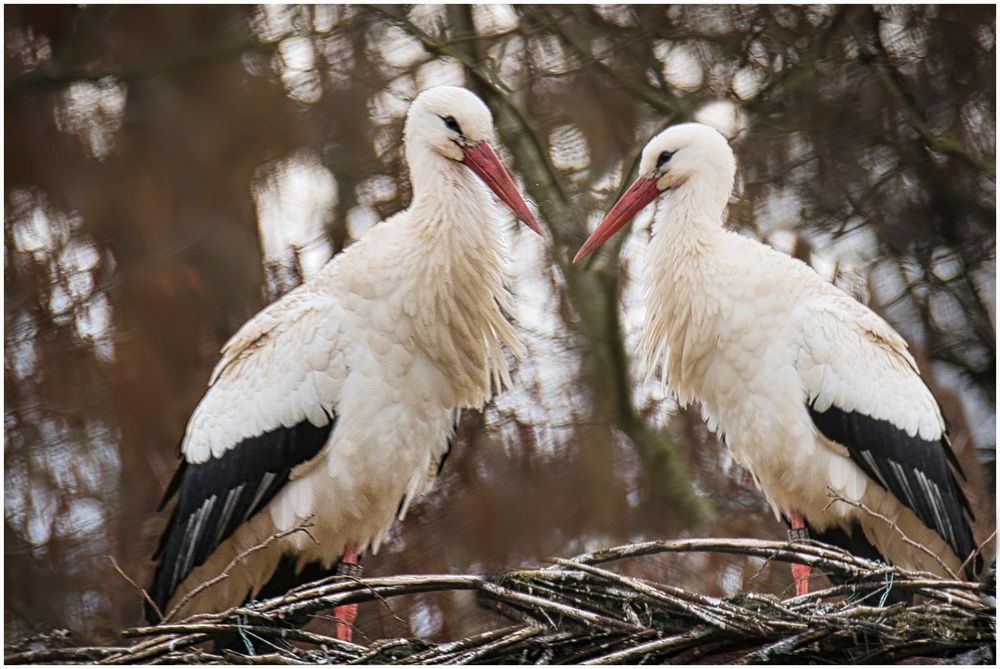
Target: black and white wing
x: 865, y: 393
x: 270, y: 407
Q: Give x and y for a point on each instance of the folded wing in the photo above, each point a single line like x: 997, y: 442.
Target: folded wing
x: 271, y: 407
x: 865, y: 393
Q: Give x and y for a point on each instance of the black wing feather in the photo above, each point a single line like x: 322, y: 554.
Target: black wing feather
x: 456, y: 415
x: 217, y: 496
x: 288, y: 575
x: 173, y: 486
x: 913, y: 469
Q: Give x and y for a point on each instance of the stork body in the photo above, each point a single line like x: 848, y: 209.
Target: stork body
x: 815, y: 394
x: 336, y: 404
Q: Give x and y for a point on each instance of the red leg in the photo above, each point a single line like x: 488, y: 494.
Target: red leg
x: 800, y: 572
x: 346, y: 614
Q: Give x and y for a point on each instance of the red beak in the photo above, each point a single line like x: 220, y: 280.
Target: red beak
x: 638, y: 195
x: 483, y: 160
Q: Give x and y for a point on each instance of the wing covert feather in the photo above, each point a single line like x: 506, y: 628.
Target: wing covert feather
x: 284, y: 366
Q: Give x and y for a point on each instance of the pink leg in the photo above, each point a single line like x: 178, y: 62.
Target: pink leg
x: 346, y: 614
x: 800, y: 572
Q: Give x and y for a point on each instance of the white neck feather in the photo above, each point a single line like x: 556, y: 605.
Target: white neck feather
x: 680, y: 260
x: 456, y: 276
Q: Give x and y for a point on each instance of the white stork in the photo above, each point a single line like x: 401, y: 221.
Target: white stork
x: 338, y: 402
x: 811, y: 390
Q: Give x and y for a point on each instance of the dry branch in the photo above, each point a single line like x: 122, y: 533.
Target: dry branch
x: 576, y: 612
x: 303, y: 526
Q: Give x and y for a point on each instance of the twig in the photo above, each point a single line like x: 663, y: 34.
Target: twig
x: 703, y: 613
x: 589, y: 617
x: 59, y: 655
x: 201, y: 587
x: 783, y: 647
x: 493, y: 646
x: 978, y: 551
x: 272, y: 658
x: 445, y: 651
x: 902, y: 535
x: 138, y: 588
x: 620, y: 657
x: 817, y: 555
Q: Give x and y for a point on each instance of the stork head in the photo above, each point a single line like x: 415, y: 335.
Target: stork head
x: 453, y: 123
x: 683, y: 158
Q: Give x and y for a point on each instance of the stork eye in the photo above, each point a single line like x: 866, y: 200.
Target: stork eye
x: 664, y: 159
x: 452, y: 124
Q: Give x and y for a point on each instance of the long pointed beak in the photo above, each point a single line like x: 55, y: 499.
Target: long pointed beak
x: 638, y: 195
x: 483, y: 160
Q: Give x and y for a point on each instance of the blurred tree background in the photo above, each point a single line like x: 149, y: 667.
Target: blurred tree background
x: 172, y: 169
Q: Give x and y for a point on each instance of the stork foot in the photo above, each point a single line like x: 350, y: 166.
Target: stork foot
x: 800, y: 572
x: 346, y: 614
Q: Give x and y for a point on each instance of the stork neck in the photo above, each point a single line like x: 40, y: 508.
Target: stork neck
x: 688, y: 220
x: 442, y: 186
x: 453, y: 271
x: 682, y: 261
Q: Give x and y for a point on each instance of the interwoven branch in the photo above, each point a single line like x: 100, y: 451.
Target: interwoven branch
x: 576, y: 612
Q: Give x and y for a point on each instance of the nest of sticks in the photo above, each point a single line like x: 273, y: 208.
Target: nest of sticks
x: 582, y: 611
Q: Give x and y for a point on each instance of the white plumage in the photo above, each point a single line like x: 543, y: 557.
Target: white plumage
x: 338, y: 401
x: 813, y: 392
